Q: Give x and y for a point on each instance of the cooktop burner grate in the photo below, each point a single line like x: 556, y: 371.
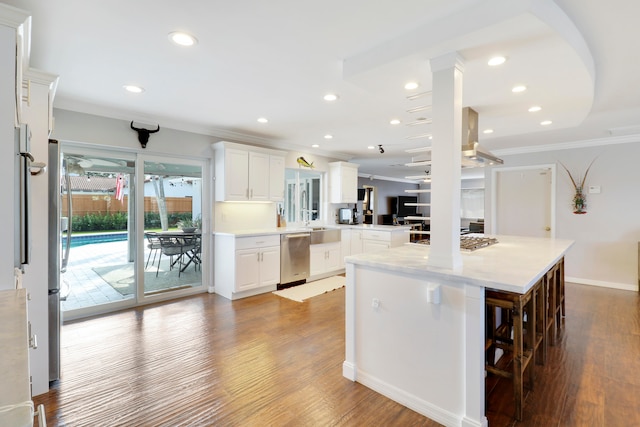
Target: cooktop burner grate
x: 470, y: 243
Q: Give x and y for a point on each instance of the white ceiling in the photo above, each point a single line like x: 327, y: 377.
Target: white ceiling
x: 276, y: 59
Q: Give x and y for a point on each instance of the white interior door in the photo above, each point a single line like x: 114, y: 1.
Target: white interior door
x: 524, y: 201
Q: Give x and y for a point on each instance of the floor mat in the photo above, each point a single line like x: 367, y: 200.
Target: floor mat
x: 302, y: 292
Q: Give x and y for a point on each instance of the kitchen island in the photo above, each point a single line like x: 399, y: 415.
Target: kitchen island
x: 415, y: 333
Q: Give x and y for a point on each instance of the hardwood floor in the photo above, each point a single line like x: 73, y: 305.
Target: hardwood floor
x: 265, y: 360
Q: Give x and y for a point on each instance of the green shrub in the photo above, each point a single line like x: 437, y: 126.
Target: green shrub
x: 118, y: 221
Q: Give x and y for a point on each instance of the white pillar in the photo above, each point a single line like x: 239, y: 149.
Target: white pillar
x: 446, y: 145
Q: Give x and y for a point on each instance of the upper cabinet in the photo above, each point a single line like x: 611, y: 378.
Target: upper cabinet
x: 245, y: 173
x: 343, y: 182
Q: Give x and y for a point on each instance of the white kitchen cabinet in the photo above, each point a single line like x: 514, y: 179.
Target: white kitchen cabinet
x: 345, y: 245
x: 375, y: 240
x: 356, y: 242
x: 276, y: 178
x: 246, y: 266
x: 325, y: 258
x: 246, y: 173
x: 343, y: 182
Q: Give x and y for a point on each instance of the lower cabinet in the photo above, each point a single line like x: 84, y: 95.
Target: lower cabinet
x: 376, y: 240
x: 257, y: 267
x: 325, y: 258
x: 246, y: 266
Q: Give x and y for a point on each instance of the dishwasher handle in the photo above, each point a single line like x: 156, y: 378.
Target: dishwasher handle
x: 297, y: 235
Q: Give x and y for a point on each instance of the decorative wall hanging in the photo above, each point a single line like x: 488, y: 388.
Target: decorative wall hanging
x: 143, y: 134
x: 579, y: 201
x: 302, y: 162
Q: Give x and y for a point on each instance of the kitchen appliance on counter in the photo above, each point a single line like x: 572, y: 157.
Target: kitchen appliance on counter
x: 295, y: 258
x: 344, y: 216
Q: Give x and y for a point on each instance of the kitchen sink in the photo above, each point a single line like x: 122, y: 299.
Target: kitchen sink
x: 324, y: 235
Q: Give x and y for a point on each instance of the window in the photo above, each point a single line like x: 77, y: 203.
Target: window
x: 303, y: 200
x: 472, y: 203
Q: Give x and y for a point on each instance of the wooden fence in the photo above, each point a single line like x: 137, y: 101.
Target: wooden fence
x: 107, y: 204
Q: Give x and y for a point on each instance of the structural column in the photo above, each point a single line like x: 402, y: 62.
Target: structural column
x: 447, y: 73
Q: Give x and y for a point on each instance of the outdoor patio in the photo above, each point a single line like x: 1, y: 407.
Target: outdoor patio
x: 84, y: 286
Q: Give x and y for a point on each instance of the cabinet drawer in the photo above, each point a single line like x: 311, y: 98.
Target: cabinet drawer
x: 257, y: 241
x: 384, y: 236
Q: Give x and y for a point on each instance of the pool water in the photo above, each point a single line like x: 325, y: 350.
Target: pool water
x: 89, y: 239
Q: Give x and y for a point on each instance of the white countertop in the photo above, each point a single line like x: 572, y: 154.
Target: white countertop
x: 284, y: 230
x: 514, y: 264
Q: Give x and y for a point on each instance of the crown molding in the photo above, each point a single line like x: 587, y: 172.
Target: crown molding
x: 625, y: 139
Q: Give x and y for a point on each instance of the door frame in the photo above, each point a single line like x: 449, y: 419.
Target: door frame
x: 552, y: 194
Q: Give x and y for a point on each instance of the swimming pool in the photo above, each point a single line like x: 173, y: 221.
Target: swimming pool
x: 88, y: 239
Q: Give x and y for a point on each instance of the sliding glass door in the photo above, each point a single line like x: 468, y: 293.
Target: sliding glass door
x: 173, y: 243
x: 131, y: 229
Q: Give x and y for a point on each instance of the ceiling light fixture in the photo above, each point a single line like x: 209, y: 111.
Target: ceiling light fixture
x: 371, y: 147
x: 394, y: 122
x: 315, y: 146
x: 182, y: 39
x: 330, y: 97
x: 546, y: 123
x: 263, y: 120
x: 496, y: 60
x: 411, y: 85
x: 519, y: 88
x: 133, y: 88
x: 535, y: 108
x: 420, y: 121
x: 487, y: 131
x: 328, y: 136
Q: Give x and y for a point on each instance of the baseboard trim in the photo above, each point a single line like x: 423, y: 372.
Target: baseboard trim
x: 413, y: 402
x: 602, y: 284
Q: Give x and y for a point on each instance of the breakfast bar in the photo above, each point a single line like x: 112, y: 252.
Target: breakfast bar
x: 416, y: 333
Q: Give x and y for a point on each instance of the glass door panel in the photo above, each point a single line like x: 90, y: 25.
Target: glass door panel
x: 98, y: 239
x: 172, y: 226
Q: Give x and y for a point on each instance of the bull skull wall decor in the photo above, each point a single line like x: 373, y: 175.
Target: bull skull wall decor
x: 143, y: 134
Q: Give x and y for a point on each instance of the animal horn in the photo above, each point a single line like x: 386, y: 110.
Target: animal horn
x: 154, y: 131
x: 135, y: 128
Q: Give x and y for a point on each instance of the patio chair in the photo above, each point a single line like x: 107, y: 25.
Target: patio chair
x: 153, y: 243
x: 174, y: 246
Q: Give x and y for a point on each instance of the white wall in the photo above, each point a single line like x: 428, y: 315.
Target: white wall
x: 606, y: 248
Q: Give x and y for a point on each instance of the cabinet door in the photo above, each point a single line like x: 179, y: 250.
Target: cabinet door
x: 356, y: 242
x: 369, y: 246
x: 317, y: 259
x: 258, y: 176
x: 247, y: 269
x: 270, y: 266
x: 276, y: 178
x: 333, y: 257
x: 236, y: 174
x: 349, y: 185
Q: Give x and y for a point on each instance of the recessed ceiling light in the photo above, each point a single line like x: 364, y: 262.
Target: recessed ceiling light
x: 411, y: 86
x: 496, y: 60
x: 263, y: 120
x: 395, y: 122
x: 315, y: 146
x: 546, y: 122
x: 371, y: 147
x: 330, y: 97
x: 182, y: 39
x: 487, y: 131
x: 519, y: 88
x: 328, y: 136
x: 133, y: 88
x: 535, y: 108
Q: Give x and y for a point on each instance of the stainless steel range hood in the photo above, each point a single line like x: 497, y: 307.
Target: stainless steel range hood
x: 473, y: 155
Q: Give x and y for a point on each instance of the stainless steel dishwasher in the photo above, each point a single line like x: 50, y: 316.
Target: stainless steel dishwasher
x: 294, y: 259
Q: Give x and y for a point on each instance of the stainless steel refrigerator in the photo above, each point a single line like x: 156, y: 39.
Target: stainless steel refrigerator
x: 56, y: 263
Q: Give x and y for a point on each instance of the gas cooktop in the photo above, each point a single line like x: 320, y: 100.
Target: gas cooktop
x: 470, y: 243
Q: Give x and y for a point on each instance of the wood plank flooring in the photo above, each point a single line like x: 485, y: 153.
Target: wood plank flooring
x: 266, y: 360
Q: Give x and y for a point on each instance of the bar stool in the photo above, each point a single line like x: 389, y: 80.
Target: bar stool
x: 559, y: 285
x: 550, y: 304
x: 514, y: 332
